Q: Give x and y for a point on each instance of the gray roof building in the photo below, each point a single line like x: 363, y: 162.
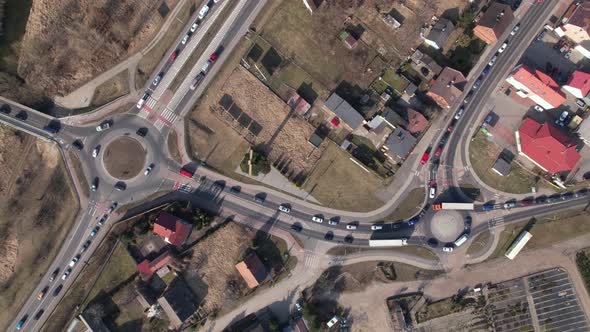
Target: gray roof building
x: 399, y: 144
x: 439, y: 33
x: 344, y: 111
x: 501, y: 167
x: 178, y: 302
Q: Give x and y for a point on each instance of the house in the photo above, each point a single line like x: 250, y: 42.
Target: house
x: 391, y: 21
x: 493, y: 23
x: 147, y: 268
x: 409, y: 119
x: 93, y: 322
x: 348, y: 39
x: 342, y: 112
x: 174, y: 230
x: 579, y: 85
x: 447, y: 88
x: 536, y: 86
x: 298, y: 104
x: 501, y: 166
x: 399, y: 145
x: 424, y: 65
x: 546, y: 147
x: 178, y: 302
x: 439, y: 33
x: 252, y: 270
x: 577, y: 27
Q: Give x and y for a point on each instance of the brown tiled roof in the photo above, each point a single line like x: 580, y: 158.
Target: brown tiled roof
x: 252, y: 270
x: 449, y: 85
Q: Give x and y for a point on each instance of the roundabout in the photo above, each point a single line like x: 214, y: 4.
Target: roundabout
x: 124, y: 158
x: 447, y: 225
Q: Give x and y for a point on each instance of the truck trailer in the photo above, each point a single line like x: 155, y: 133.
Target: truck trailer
x: 388, y: 242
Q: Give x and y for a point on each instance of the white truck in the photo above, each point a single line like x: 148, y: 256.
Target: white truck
x: 388, y: 242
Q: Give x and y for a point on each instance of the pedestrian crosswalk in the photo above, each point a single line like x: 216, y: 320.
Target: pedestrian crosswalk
x: 182, y: 187
x: 311, y: 260
x: 166, y: 118
x: 151, y: 102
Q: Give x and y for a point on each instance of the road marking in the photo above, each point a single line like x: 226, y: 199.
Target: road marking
x: 168, y: 116
x: 143, y: 113
x: 159, y: 124
x: 151, y: 103
x: 311, y: 260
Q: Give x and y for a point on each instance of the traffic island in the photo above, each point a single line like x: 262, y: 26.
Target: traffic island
x: 124, y: 158
x: 447, y: 225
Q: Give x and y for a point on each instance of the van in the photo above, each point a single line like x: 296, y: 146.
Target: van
x: 203, y: 12
x: 461, y: 240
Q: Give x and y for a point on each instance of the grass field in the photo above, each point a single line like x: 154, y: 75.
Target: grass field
x: 411, y: 205
x: 339, y: 183
x: 479, y: 243
x: 483, y: 155
x: 112, y: 89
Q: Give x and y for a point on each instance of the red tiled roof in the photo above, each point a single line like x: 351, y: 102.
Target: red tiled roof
x: 416, y: 121
x: 540, y: 84
x: 174, y: 229
x: 147, y: 268
x: 580, y: 80
x: 548, y: 146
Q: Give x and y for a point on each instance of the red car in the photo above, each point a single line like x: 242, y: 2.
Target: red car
x: 450, y: 129
x: 424, y: 158
x: 213, y: 57
x: 438, y: 151
x: 173, y: 55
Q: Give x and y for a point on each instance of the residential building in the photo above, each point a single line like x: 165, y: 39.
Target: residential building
x: 424, y: 65
x: 409, y: 119
x: 298, y: 104
x: 439, y: 33
x: 536, y: 86
x: 178, y: 302
x: 343, y: 113
x: 93, y: 322
x: 493, y: 23
x: 546, y: 146
x: 174, y: 230
x: 147, y: 268
x: 447, y: 88
x: 577, y: 27
x: 579, y: 85
x: 399, y: 145
x: 252, y: 270
x: 348, y: 39
x: 501, y: 166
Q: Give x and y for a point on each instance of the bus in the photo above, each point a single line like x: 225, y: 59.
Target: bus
x: 461, y: 240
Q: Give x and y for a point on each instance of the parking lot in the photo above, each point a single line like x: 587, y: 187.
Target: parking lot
x: 510, y: 309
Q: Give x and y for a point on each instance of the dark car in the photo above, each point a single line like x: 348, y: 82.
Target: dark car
x: 5, y: 109
x: 22, y: 115
x: 329, y: 236
x: 567, y: 195
x: 142, y: 131
x: 540, y: 200
x: 85, y: 246
x: 527, y: 202
x: 57, y: 290
x: 120, y: 186
x: 39, y: 314
x: 259, y: 198
x: 553, y: 198
x: 468, y: 97
x: 297, y: 227
x: 235, y: 190
x: 94, y: 185
x: 349, y: 239
x: 78, y: 145
x: 432, y: 242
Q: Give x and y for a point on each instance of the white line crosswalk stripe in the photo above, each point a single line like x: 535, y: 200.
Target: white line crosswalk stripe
x: 169, y: 115
x: 311, y: 260
x: 159, y: 124
x: 151, y: 102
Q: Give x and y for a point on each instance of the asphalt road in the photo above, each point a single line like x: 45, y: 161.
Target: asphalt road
x: 242, y: 205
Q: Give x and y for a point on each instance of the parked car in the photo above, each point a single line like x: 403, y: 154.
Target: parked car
x: 259, y: 199
x: 94, y: 184
x: 185, y: 39
x: 57, y: 290
x: 447, y: 249
x: 333, y: 221
x: 284, y: 208
x: 112, y: 207
x: 349, y: 239
x: 21, y: 322
x: 194, y: 27
x: 297, y: 227
x: 39, y: 314
x: 317, y: 219
x: 149, y: 169
x: 488, y: 120
x: 85, y: 246
x: 476, y: 84
x: 351, y: 227
x: 103, y: 219
x: 424, y: 158
x: 74, y: 261
x: 142, y: 131
x: 493, y: 60
x: 94, y: 231
x: 5, y: 109
x: 515, y: 30
x: 509, y: 205
x: 42, y: 293
x: 432, y: 191
x: 438, y: 151
x: 459, y: 113
x: 468, y: 97
x: 562, y: 119
x: 503, y: 47
x: 567, y: 195
x: 157, y: 79
x: 173, y: 55
x: 66, y: 274
x: 78, y: 145
x: 54, y: 275
x: 580, y: 103
x: 95, y: 151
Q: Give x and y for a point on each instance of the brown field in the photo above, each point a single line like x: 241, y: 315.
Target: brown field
x: 37, y: 208
x: 112, y: 89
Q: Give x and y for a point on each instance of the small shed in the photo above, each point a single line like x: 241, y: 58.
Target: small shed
x: 501, y: 166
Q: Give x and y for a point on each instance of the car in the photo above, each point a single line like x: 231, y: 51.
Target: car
x: 54, y: 275
x: 103, y: 219
x: 39, y: 314
x: 142, y: 131
x: 185, y: 39
x: 120, y: 186
x: 57, y: 290
x: 450, y: 128
x: 538, y: 108
x: 94, y: 184
x: 488, y: 119
x: 447, y: 248
x: 284, y: 208
x: 540, y: 200
x: 459, y: 113
x: 349, y: 239
x: 432, y: 192
x: 567, y: 195
x: 318, y: 219
x: 503, y: 47
x: 94, y: 231
x: 527, y: 202
x: 103, y: 126
x: 413, y: 221
x: 259, y: 199
x: 140, y: 103
x: 562, y: 119
x: 216, y: 1
x: 157, y: 79
x: 509, y: 205
x: 203, y: 12
x: 297, y: 227
x: 476, y: 84
x: 21, y: 322
x: 5, y: 109
x: 173, y: 55
x: 438, y: 151
x: 298, y: 306
x: 493, y: 60
x: 74, y: 261
x: 66, y: 274
x: 553, y: 198
x: 351, y: 227
x: 78, y: 145
x: 580, y: 103
x: 424, y: 158
x: 377, y: 227
x: 42, y: 293
x: 468, y: 97
x: 515, y: 30
x: 149, y: 169
x: 112, y: 207
x: 540, y: 36
x: 332, y: 321
x: 329, y: 236
x: 85, y: 246
x: 194, y: 27
x: 444, y: 139
x: 22, y: 115
x: 486, y: 70
x: 95, y: 151
x: 432, y: 242
x: 235, y: 190
x: 333, y: 221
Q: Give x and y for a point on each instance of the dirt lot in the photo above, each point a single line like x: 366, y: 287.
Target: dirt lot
x: 333, y: 179
x: 67, y: 42
x: 34, y: 186
x: 124, y: 158
x: 112, y: 89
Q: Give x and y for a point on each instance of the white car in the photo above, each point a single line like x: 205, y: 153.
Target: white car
x: 194, y: 27
x: 66, y: 274
x: 317, y: 219
x: 103, y: 126
x: 351, y: 227
x: 94, y: 231
x: 203, y: 12
x: 509, y: 205
x: 140, y: 103
x: 74, y: 261
x: 459, y: 113
x: 148, y: 170
x: 493, y: 60
x: 503, y: 47
x: 333, y: 222
x: 185, y: 39
x: 515, y: 30
x: 432, y: 192
x: 538, y: 108
x: 376, y: 227
x: 448, y: 249
x: 332, y: 321
x: 95, y: 151
x: 284, y: 208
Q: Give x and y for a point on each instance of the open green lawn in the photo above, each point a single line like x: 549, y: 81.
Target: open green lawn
x: 411, y: 204
x: 483, y: 155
